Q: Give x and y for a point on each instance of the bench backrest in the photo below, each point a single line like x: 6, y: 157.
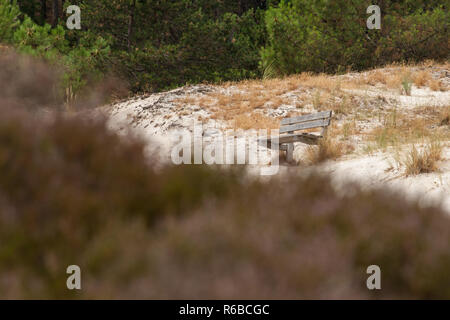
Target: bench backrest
x: 309, y: 121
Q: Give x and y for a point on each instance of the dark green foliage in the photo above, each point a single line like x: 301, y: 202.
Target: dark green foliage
x: 331, y: 36
x: 43, y: 11
x: 161, y: 44
x: 155, y: 45
x: 82, y: 58
x: 9, y: 20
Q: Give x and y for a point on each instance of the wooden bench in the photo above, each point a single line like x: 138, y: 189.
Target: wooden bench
x: 288, y: 127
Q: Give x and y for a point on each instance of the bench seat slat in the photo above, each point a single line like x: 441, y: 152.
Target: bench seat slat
x: 308, y: 117
x: 306, y: 125
x: 307, y: 138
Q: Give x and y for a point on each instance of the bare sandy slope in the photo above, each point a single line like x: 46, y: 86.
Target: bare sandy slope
x: 363, y: 104
x: 378, y: 170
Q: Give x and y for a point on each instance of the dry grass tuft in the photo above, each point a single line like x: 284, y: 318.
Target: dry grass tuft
x: 400, y: 78
x: 320, y: 81
x: 238, y: 106
x: 186, y: 101
x: 328, y: 149
x: 348, y: 129
x: 425, y: 161
x: 437, y: 85
x: 376, y: 77
x: 255, y: 121
x: 339, y: 104
x: 422, y: 78
x: 445, y: 116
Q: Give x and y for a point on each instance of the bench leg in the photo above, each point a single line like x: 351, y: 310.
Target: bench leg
x: 324, y: 131
x: 290, y: 152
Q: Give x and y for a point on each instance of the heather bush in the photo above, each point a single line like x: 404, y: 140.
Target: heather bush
x: 296, y: 238
x: 73, y: 193
x: 27, y: 83
x: 65, y: 180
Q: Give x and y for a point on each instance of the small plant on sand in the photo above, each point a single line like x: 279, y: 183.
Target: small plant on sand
x: 349, y: 129
x: 425, y: 161
x: 406, y: 85
x: 316, y: 100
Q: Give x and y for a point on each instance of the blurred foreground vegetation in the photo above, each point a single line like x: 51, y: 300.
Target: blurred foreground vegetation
x: 72, y: 192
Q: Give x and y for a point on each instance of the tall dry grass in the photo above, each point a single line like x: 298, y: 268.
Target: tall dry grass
x: 327, y: 149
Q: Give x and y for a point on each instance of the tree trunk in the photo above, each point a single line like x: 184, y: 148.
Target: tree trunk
x: 43, y: 11
x: 55, y: 13
x: 130, y: 24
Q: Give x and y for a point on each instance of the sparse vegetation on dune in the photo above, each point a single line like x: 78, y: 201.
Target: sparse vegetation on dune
x: 365, y: 106
x: 400, y: 127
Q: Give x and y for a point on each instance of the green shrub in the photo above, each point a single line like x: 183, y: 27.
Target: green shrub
x: 9, y: 20
x: 407, y: 85
x: 324, y: 36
